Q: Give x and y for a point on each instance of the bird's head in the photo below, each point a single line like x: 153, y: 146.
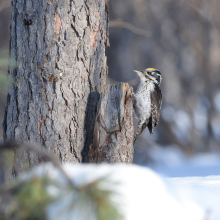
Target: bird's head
x: 150, y: 74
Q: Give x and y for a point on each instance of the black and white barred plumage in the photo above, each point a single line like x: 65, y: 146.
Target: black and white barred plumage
x: 147, y: 100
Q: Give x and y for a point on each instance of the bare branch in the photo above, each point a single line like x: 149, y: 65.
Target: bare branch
x: 197, y: 7
x: 130, y: 27
x: 5, y: 4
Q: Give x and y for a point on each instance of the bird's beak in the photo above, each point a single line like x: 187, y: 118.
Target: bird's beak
x: 138, y: 72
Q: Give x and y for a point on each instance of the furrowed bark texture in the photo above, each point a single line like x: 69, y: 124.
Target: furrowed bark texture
x: 59, y: 50
x: 114, y: 131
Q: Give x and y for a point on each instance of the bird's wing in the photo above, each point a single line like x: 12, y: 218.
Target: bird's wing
x: 156, y: 101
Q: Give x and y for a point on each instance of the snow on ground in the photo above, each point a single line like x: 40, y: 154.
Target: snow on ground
x: 196, y: 177
x: 174, y: 187
x: 172, y: 162
x: 140, y: 193
x: 144, y: 194
x: 204, y: 191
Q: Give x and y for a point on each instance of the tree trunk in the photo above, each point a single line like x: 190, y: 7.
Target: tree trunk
x: 114, y: 132
x: 60, y: 71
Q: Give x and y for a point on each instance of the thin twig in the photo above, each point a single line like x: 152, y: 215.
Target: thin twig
x: 130, y: 27
x: 201, y: 13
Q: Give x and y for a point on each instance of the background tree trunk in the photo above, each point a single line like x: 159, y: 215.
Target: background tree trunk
x: 59, y: 50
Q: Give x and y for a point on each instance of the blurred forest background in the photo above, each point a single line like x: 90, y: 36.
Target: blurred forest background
x: 181, y: 38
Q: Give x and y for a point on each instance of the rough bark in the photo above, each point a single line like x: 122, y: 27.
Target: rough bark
x: 114, y: 132
x: 59, y: 49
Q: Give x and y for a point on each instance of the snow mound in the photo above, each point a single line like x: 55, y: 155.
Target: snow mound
x: 143, y: 194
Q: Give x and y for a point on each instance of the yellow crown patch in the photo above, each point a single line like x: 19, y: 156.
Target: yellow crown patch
x: 150, y: 69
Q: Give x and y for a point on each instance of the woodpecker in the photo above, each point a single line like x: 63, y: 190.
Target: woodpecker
x: 147, y: 100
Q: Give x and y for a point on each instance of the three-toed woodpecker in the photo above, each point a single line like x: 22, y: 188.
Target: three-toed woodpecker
x: 147, y: 100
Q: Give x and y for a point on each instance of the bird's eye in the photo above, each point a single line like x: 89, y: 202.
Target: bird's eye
x: 153, y: 73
